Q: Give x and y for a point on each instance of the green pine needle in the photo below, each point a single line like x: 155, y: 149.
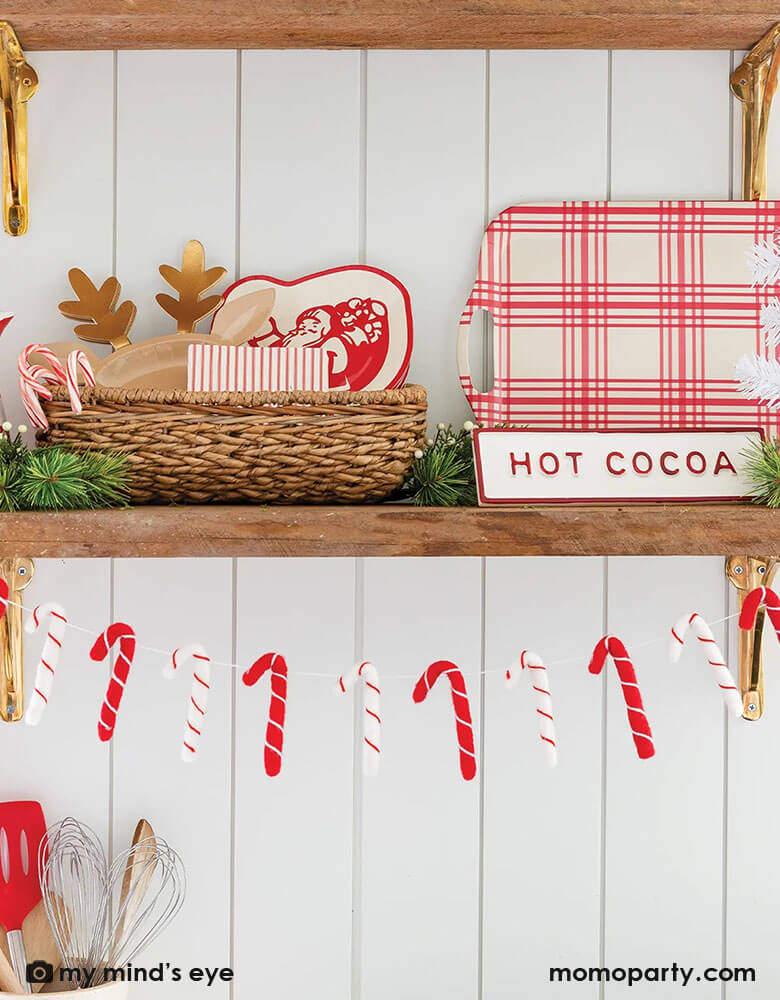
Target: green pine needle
x: 10, y: 478
x: 762, y: 470
x: 107, y: 479
x: 58, y: 479
x: 53, y: 480
x: 443, y: 475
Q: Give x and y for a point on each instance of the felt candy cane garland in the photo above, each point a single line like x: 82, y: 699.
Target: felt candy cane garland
x: 460, y: 703
x: 372, y: 722
x: 125, y: 637
x: 199, y: 695
x: 47, y: 664
x: 610, y: 645
x: 761, y: 596
x: 274, y: 730
x: 541, y: 686
x: 714, y: 656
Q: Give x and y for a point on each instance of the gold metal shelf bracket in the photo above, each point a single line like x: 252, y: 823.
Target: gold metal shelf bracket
x: 754, y: 83
x: 747, y: 573
x: 17, y: 573
x: 18, y: 83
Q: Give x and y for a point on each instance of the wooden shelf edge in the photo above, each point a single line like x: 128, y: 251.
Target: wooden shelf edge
x: 408, y: 24
x: 169, y: 532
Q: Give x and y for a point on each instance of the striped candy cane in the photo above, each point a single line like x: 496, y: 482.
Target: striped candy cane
x: 372, y: 722
x: 33, y: 379
x: 199, y: 695
x: 44, y: 673
x: 760, y: 597
x: 714, y: 656
x: 274, y: 730
x: 637, y: 720
x: 460, y: 703
x: 541, y: 685
x: 125, y: 637
x: 78, y: 364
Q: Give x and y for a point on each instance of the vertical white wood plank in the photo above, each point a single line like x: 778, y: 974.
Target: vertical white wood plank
x: 170, y: 604
x: 670, y: 125
x: 300, y: 161
x: 176, y: 171
x: 421, y: 819
x: 753, y: 826
x: 61, y: 761
x: 71, y: 156
x: 176, y: 180
x: 300, y: 203
x: 753, y: 832
x: 664, y: 831
x: 534, y: 851
x: 548, y: 126
x: 425, y: 199
x: 665, y: 815
x: 294, y: 842
x: 542, y: 842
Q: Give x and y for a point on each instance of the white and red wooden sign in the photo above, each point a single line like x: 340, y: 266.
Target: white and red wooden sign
x: 610, y: 315
x: 221, y: 368
x: 527, y: 466
x: 359, y: 316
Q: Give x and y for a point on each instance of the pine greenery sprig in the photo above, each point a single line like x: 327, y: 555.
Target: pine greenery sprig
x: 762, y: 470
x: 442, y: 474
x: 106, y: 476
x: 53, y: 479
x: 58, y: 479
x: 10, y: 478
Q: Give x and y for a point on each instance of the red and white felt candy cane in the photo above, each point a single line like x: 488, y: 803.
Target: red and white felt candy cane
x: 47, y: 664
x: 760, y: 597
x: 460, y: 703
x: 124, y: 636
x: 78, y: 364
x: 540, y: 683
x: 372, y: 722
x: 199, y: 695
x: 714, y: 656
x: 274, y: 730
x: 610, y: 645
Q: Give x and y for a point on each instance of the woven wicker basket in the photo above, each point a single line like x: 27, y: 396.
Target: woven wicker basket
x: 265, y: 447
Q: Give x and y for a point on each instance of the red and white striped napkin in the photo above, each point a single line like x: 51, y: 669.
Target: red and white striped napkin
x: 222, y: 368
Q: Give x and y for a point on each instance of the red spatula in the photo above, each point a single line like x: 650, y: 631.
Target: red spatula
x: 22, y: 828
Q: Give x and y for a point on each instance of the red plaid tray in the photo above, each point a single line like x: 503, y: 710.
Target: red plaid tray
x: 625, y: 315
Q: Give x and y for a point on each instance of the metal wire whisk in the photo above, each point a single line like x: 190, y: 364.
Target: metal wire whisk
x: 73, y: 873
x: 103, y: 915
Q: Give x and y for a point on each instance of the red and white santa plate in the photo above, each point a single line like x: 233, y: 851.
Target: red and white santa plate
x: 359, y: 316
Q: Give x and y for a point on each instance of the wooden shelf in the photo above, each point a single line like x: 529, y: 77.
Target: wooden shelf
x: 711, y: 529
x: 409, y: 24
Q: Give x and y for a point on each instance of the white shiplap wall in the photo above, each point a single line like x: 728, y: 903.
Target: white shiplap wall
x: 413, y: 885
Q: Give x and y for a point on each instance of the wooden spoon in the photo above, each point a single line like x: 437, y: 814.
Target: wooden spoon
x: 38, y: 942
x: 135, y: 882
x: 8, y: 981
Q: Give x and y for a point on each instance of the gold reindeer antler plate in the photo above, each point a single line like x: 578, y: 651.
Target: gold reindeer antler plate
x: 161, y: 362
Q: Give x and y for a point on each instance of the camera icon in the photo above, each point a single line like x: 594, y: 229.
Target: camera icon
x: 40, y: 972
